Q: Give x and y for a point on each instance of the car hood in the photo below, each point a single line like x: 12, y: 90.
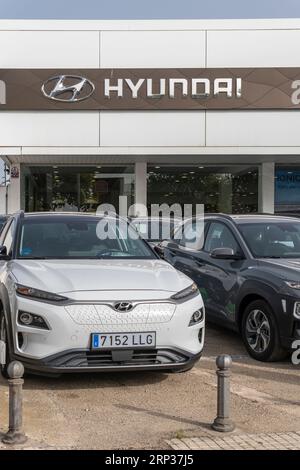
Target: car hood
x: 288, y: 269
x: 89, y: 279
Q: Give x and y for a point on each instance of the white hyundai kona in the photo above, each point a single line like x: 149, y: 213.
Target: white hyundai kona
x: 73, y: 300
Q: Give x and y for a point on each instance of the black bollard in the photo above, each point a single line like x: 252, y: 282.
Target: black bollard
x: 15, y: 435
x: 223, y: 423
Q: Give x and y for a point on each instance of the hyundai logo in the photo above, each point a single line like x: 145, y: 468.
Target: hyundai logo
x: 123, y: 306
x: 68, y: 88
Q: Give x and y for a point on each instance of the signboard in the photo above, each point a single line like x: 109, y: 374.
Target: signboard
x: 287, y: 187
x: 149, y: 89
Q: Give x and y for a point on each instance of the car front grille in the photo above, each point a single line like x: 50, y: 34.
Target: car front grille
x: 136, y: 357
x: 101, y: 314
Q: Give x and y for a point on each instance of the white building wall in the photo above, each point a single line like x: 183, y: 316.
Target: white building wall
x: 40, y: 128
x: 253, y: 128
x: 253, y: 47
x: 152, y: 129
x: 151, y: 44
x: 153, y: 49
x: 46, y: 49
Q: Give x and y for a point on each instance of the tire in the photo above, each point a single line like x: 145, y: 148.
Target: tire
x: 260, y: 333
x: 3, y: 337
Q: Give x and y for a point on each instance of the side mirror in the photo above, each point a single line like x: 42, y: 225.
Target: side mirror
x: 225, y: 253
x: 3, y: 253
x: 172, y: 245
x: 158, y: 250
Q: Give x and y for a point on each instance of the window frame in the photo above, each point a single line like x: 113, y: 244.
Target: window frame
x: 182, y: 246
x: 216, y: 221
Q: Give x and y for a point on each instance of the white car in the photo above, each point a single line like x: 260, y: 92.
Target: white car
x: 75, y: 301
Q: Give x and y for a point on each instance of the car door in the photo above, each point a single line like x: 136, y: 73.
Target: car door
x: 221, y: 278
x: 185, y: 253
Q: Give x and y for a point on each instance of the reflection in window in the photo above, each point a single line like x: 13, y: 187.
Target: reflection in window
x: 76, y: 189
x: 232, y: 189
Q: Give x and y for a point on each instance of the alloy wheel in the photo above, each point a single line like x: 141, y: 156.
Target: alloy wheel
x: 258, y: 331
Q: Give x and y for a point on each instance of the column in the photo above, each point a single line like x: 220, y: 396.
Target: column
x: 140, y: 188
x: 14, y: 191
x: 266, y: 187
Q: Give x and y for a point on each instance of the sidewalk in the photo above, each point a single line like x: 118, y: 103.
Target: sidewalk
x: 271, y: 441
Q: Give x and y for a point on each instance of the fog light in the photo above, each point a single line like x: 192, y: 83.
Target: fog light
x: 35, y: 321
x: 25, y: 318
x: 197, y: 317
x: 297, y: 310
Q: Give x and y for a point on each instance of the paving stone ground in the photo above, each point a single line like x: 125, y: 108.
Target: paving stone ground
x: 270, y: 441
x: 141, y: 410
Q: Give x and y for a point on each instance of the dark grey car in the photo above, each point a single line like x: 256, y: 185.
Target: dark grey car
x: 248, y: 272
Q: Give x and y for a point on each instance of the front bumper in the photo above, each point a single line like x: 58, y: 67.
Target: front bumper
x: 288, y: 323
x: 76, y: 361
x: 66, y: 346
x: 287, y: 341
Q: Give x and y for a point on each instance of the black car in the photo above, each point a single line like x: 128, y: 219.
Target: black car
x: 248, y: 272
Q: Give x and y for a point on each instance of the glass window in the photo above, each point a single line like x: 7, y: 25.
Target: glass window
x: 220, y: 236
x: 287, y: 190
x: 273, y: 240
x: 79, y: 238
x: 155, y: 229
x: 192, y: 234
x: 229, y: 189
x: 76, y: 189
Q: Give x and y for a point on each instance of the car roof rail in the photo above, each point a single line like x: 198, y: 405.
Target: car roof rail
x: 218, y: 214
x: 215, y: 214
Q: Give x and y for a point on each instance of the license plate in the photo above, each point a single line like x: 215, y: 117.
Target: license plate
x: 123, y: 340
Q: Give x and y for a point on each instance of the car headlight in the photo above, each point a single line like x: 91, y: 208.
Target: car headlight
x: 293, y: 284
x: 190, y: 291
x: 37, y: 294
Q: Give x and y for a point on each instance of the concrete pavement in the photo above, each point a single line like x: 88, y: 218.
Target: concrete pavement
x: 148, y: 410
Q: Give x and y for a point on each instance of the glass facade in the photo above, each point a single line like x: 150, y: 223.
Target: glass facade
x: 221, y: 188
x: 287, y: 189
x: 229, y: 189
x: 78, y: 189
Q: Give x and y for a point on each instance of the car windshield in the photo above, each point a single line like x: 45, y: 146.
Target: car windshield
x: 80, y: 238
x: 155, y: 230
x: 272, y: 240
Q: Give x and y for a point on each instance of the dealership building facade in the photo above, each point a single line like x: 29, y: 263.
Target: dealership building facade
x: 189, y: 111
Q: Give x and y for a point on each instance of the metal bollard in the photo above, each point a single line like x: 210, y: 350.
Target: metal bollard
x: 15, y: 435
x: 223, y: 423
